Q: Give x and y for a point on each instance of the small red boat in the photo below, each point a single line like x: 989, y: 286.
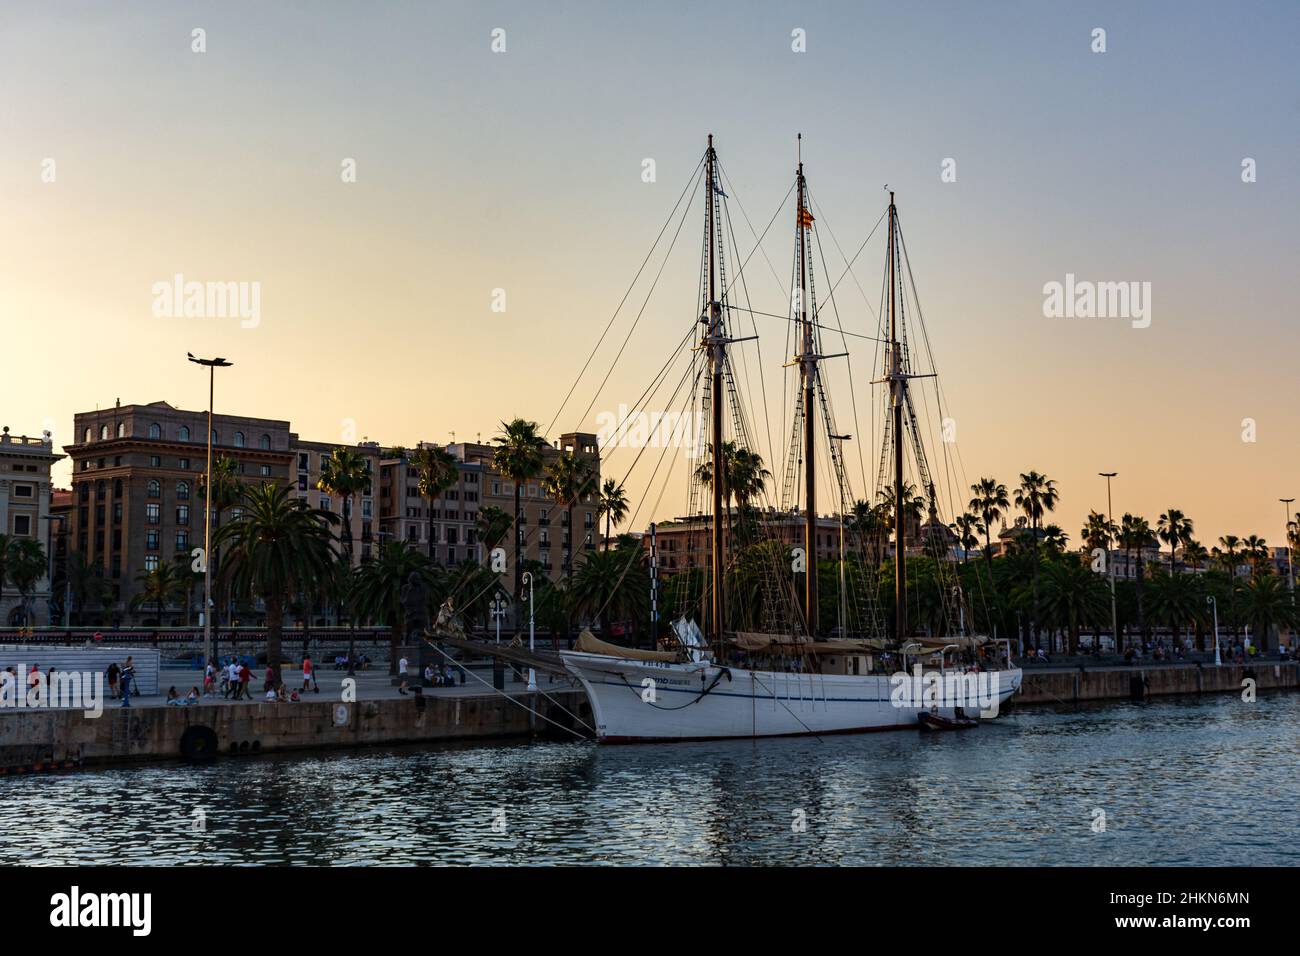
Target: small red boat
x: 929, y: 721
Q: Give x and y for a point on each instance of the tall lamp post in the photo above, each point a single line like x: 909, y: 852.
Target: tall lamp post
x: 1288, y: 524
x: 212, y: 365
x: 532, y: 674
x: 1214, y: 605
x: 1110, y: 567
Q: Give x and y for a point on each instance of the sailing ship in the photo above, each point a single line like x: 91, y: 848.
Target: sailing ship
x: 778, y: 676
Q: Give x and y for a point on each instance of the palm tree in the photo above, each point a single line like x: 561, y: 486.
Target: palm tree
x: 343, y: 474
x: 968, y: 528
x: 1055, y: 540
x: 1073, y: 595
x: 1266, y: 605
x: 518, y: 457
x: 1194, y: 553
x: 1173, y: 526
x: 611, y: 585
x: 1135, y: 535
x: 226, y: 491
x: 1035, y: 496
x: 87, y: 586
x: 1256, y: 552
x: 569, y: 479
x: 1176, y: 600
x: 437, y: 471
x: 491, y: 523
x: 613, y: 505
x: 165, y: 584
x: 990, y: 503
x: 1231, y: 545
x: 377, y: 592
x: 1097, y: 533
x: 277, y: 547
x: 26, y: 565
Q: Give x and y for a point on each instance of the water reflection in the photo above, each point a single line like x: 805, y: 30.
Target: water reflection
x: 1192, y: 781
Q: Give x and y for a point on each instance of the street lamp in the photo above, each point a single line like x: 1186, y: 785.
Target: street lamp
x: 498, y: 607
x: 1288, y: 524
x: 1209, y: 599
x: 1110, y: 568
x: 212, y: 366
x: 532, y: 674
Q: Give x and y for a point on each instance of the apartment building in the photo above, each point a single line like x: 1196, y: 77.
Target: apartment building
x: 136, y: 480
x: 544, y: 532
x: 310, y: 459
x: 25, y: 497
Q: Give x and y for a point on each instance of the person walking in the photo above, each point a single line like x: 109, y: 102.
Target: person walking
x: 308, y: 673
x: 401, y: 674
x: 128, y: 677
x: 245, y: 678
x: 113, y: 674
x: 209, y: 679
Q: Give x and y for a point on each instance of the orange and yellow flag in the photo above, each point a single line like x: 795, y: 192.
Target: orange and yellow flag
x: 805, y: 218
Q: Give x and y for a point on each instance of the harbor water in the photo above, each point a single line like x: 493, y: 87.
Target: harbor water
x: 1210, y: 780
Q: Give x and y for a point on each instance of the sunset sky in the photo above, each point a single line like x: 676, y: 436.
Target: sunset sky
x: 522, y: 171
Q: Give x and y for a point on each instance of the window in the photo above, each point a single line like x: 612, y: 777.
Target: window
x: 324, y: 504
x: 151, y: 512
x: 84, y: 491
x: 22, y: 491
x: 121, y: 429
x: 117, y: 512
x: 103, y: 432
x: 151, y: 562
x: 265, y: 471
x: 117, y: 539
x: 151, y: 540
x: 182, y: 491
x: 366, y: 508
x: 117, y: 461
x: 155, y: 488
x: 99, y: 491
x: 85, y: 436
x: 216, y: 439
x: 302, y: 482
x: 239, y: 439
x: 185, y: 433
x: 303, y: 459
x: 23, y: 525
x: 182, y: 514
x: 155, y: 430
x: 182, y: 540
x: 183, y: 464
x: 266, y: 442
x: 155, y: 461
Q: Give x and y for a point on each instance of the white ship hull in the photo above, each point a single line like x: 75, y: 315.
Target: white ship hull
x: 700, y: 701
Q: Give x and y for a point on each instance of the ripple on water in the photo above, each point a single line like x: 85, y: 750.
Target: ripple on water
x: 1181, y: 782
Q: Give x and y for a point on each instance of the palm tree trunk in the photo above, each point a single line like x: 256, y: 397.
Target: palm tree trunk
x: 274, y: 626
x: 519, y: 571
x: 430, y: 541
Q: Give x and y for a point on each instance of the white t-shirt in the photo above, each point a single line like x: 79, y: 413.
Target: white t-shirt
x: 401, y: 666
x: 234, y: 672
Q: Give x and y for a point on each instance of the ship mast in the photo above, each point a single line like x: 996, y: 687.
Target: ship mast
x: 897, y: 384
x: 715, y: 344
x: 808, y: 373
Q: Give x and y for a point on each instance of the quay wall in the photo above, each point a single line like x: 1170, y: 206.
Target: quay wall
x: 1069, y: 687
x: 60, y: 739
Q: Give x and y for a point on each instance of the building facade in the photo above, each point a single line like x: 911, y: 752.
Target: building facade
x: 309, y: 461
x: 25, y: 497
x: 137, y: 474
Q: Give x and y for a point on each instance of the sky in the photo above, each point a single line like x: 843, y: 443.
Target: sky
x: 129, y: 157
